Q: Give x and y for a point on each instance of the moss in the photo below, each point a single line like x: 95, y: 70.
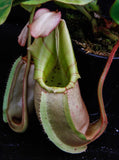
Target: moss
x: 81, y: 32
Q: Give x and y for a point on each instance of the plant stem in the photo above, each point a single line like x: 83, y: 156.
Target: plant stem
x: 90, y: 18
x: 25, y: 80
x: 108, y: 33
x: 101, y: 83
x: 29, y: 35
x: 84, y: 11
x: 29, y: 43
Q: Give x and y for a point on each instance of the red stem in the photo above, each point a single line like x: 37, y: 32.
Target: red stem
x: 103, y: 77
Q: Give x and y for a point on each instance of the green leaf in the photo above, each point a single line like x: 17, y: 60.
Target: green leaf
x: 5, y: 7
x: 67, y: 3
x: 92, y: 6
x: 64, y: 5
x: 28, y: 8
x: 114, y: 11
x: 17, y: 2
x: 34, y: 2
x: 76, y: 2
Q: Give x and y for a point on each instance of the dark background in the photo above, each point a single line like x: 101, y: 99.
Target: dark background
x: 34, y: 144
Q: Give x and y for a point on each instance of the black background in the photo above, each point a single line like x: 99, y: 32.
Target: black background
x: 34, y: 144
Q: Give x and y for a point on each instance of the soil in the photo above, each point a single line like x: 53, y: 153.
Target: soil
x: 82, y: 33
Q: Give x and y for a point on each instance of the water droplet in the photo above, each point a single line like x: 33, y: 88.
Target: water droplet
x: 117, y: 130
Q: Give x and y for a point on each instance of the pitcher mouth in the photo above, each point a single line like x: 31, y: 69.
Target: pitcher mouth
x: 58, y: 80
x: 55, y: 65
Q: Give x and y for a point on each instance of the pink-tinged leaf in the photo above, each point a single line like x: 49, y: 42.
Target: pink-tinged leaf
x: 40, y: 12
x: 22, y: 38
x: 44, y: 22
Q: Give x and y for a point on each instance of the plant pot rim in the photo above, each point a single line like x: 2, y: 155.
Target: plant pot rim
x: 97, y: 56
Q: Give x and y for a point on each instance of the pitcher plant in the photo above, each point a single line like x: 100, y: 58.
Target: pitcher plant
x: 49, y: 76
